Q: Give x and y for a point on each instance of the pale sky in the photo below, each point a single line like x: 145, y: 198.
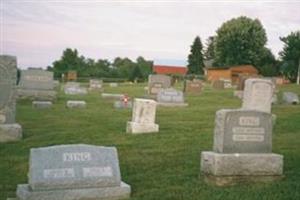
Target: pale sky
x: 37, y: 31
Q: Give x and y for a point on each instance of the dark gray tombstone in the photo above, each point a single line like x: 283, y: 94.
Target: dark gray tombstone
x: 74, y: 172
x: 170, y: 97
x: 156, y: 82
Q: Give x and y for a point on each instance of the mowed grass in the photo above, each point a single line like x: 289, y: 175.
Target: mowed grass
x: 164, y: 165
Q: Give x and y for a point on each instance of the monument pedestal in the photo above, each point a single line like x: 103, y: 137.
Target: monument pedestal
x: 10, y: 132
x: 136, y: 128
x: 24, y: 192
x: 223, y: 169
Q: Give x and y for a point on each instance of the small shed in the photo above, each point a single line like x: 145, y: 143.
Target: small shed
x: 71, y: 75
x: 231, y: 73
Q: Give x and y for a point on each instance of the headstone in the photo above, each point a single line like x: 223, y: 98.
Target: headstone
x: 36, y: 84
x: 170, y: 97
x: 9, y: 129
x: 143, y: 117
x: 194, y: 86
x: 73, y: 88
x: 227, y: 83
x: 258, y: 95
x: 41, y: 104
x: 290, y: 98
x: 96, y: 84
x: 242, y: 149
x: 156, y: 82
x: 73, y: 172
x: 112, y: 96
x: 76, y: 104
x: 243, y: 131
x: 218, y: 84
x: 113, y: 84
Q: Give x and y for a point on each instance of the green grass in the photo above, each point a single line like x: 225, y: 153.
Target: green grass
x: 165, y: 165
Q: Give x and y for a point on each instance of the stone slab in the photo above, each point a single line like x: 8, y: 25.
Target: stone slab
x: 122, y: 104
x: 36, y: 79
x: 96, y: 84
x: 76, y: 104
x: 138, y: 128
x: 113, y: 84
x: 73, y: 167
x: 242, y: 131
x: 194, y: 86
x: 290, y: 98
x: 228, y: 169
x: 156, y: 82
x: 46, y: 95
x: 241, y: 164
x: 105, y: 193
x: 112, y: 96
x: 10, y: 132
x: 170, y: 95
x: 172, y: 104
x: 258, y: 94
x: 42, y: 104
x: 75, y: 91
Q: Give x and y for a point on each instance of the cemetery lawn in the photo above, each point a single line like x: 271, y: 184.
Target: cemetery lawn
x: 160, y: 166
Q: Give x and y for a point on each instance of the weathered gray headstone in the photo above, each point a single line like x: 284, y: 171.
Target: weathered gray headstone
x: 258, y: 95
x: 73, y: 172
x: 156, y: 82
x: 42, y: 104
x: 96, y: 84
x: 112, y: 96
x: 9, y: 129
x: 243, y: 131
x: 73, y: 88
x: 170, y: 97
x: 143, y: 117
x: 36, y: 84
x: 290, y: 98
x: 76, y: 104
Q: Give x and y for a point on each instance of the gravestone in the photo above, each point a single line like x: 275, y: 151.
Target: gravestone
x: 9, y: 129
x: 170, y: 97
x: 218, y: 84
x: 73, y: 172
x: 125, y: 102
x: 227, y: 83
x: 242, y: 149
x: 41, y: 104
x: 258, y: 95
x: 73, y: 88
x: 143, y: 117
x: 194, y: 86
x: 36, y: 84
x: 113, y: 84
x: 112, y: 96
x: 290, y: 98
x: 76, y: 104
x: 96, y: 84
x: 156, y: 82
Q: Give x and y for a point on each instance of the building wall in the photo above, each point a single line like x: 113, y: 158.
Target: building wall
x: 160, y: 69
x: 217, y: 74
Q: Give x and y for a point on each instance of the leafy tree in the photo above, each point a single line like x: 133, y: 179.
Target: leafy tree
x: 209, y: 50
x: 268, y: 65
x: 136, y: 74
x: 290, y: 55
x: 240, y: 41
x: 145, y: 67
x: 195, y: 58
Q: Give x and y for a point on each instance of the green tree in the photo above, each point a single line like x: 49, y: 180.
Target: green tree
x: 290, y: 55
x: 209, y: 51
x: 145, y: 67
x: 240, y: 41
x: 195, y: 58
x: 268, y: 65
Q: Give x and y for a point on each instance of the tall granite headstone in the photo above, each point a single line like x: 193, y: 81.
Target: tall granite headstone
x: 74, y: 172
x: 156, y: 82
x: 143, y: 117
x: 9, y: 129
x: 258, y: 94
x: 36, y: 84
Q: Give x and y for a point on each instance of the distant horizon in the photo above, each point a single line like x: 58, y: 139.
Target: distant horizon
x: 37, y: 32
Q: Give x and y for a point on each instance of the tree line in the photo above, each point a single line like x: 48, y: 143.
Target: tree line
x: 238, y: 41
x: 242, y: 41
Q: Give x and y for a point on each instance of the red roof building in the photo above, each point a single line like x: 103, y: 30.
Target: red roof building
x: 167, y: 69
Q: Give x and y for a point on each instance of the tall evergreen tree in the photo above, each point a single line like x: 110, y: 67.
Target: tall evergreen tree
x: 195, y: 59
x: 209, y: 51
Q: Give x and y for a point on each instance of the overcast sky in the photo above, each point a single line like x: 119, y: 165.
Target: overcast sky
x: 37, y: 31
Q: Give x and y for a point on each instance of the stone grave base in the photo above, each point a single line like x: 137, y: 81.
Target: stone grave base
x: 75, y: 91
x: 106, y: 193
x: 136, y: 128
x: 121, y: 104
x: 47, y: 95
x: 172, y: 104
x: 112, y: 96
x: 10, y: 132
x: 230, y: 169
x: 42, y: 104
x: 76, y: 104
